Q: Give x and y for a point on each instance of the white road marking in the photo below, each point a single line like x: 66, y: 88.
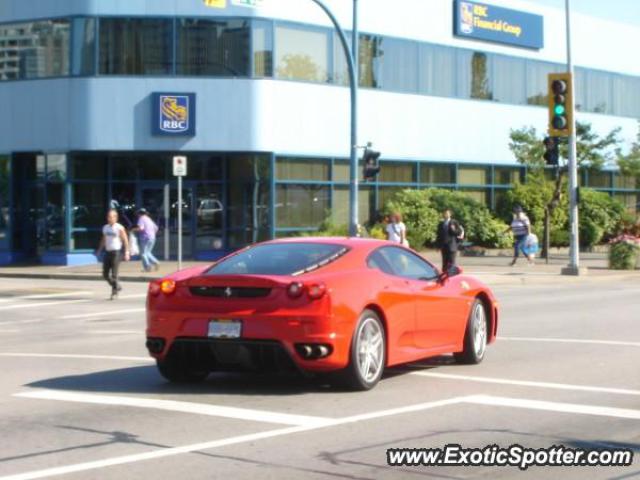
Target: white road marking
x: 154, y: 454
x: 555, y: 406
x: 571, y: 340
x: 55, y: 295
x: 22, y: 322
x: 526, y: 383
x: 78, y: 357
x: 245, y: 414
x: 106, y: 313
x: 168, y: 452
x: 473, y: 399
x: 115, y: 332
x: 136, y: 295
x: 41, y: 304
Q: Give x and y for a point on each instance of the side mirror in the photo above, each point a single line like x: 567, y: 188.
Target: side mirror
x: 451, y: 272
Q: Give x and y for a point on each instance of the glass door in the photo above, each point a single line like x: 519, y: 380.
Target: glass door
x: 162, y: 204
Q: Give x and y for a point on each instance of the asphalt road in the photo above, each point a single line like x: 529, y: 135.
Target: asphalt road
x: 80, y: 399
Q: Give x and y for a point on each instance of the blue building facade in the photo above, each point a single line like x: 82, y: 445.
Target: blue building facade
x: 99, y: 96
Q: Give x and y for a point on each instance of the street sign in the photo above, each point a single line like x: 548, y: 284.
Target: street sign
x: 179, y: 166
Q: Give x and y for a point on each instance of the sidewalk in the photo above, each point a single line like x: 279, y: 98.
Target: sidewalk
x: 493, y: 270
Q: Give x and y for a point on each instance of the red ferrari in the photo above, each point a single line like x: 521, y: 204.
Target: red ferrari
x: 347, y: 305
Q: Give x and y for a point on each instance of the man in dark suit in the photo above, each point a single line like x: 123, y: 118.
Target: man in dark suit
x: 450, y: 234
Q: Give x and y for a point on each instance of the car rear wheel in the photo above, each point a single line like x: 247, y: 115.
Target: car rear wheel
x: 368, y: 353
x: 475, y: 336
x: 177, y: 371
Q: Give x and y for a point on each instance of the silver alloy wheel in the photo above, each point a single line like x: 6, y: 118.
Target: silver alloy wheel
x: 479, y: 330
x: 370, y: 348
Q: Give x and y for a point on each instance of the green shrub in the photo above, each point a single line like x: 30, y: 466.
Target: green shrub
x: 378, y: 232
x: 422, y: 209
x: 417, y: 213
x: 600, y: 216
x: 623, y: 255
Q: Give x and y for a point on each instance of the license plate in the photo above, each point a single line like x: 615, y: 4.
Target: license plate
x: 225, y: 328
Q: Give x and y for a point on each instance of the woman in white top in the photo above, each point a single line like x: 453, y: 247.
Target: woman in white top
x: 396, y: 230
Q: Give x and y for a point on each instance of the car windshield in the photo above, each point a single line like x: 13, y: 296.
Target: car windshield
x: 279, y: 259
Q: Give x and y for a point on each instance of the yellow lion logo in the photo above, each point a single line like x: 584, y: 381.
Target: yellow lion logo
x: 173, y: 111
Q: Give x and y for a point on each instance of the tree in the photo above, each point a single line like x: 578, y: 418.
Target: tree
x: 630, y: 163
x: 593, y: 152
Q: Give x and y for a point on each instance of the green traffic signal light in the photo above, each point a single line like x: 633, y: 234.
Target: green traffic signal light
x: 559, y: 109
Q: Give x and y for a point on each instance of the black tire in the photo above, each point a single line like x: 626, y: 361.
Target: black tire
x: 353, y: 376
x: 180, y: 372
x: 475, y: 348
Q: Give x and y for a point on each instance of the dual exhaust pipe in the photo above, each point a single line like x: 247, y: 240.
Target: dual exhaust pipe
x: 155, y: 345
x: 313, y: 351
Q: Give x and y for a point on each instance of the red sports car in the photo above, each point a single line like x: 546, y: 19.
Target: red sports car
x: 347, y: 305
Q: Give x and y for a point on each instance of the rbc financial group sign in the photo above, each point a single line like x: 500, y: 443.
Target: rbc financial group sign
x: 174, y: 114
x: 479, y: 21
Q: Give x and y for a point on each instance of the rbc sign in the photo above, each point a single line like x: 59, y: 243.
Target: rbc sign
x: 174, y: 114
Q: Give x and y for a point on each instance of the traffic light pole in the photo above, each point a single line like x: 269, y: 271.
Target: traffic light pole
x: 351, y: 55
x: 574, y: 249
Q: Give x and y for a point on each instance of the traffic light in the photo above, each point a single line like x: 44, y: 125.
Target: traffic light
x: 370, y: 168
x: 551, y: 154
x: 560, y: 104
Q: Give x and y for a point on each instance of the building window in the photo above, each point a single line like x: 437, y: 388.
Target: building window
x: 303, y: 206
x: 213, y: 48
x: 593, y: 91
x: 36, y: 49
x: 509, y: 80
x: 397, y: 172
x: 248, y: 199
x: 474, y: 75
x: 537, y: 85
x: 84, y: 42
x: 135, y: 46
x: 370, y: 58
x: 5, y: 201
x: 398, y: 66
x: 437, y: 174
x: 472, y: 176
x: 302, y: 169
x: 437, y: 71
x: 626, y: 96
x: 506, y: 176
x: 302, y: 54
x: 262, y: 48
x: 481, y: 196
x: 385, y: 194
x: 340, y: 210
x: 624, y: 182
x: 599, y: 179
x: 88, y: 203
x: 631, y: 201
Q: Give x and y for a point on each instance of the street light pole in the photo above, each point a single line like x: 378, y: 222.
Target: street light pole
x: 351, y: 55
x: 574, y: 250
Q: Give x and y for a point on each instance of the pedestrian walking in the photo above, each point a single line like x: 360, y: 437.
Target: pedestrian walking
x: 147, y: 231
x: 450, y: 234
x: 397, y: 230
x: 114, y: 240
x: 521, y: 228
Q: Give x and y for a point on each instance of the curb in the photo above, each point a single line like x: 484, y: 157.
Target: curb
x: 61, y: 276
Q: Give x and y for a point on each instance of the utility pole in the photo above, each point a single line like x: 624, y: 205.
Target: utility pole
x: 574, y: 250
x: 351, y: 55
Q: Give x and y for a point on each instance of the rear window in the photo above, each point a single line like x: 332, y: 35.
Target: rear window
x: 279, y: 259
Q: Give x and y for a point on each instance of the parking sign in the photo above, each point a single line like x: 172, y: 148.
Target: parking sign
x: 179, y: 166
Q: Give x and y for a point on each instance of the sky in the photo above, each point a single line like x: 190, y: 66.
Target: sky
x: 627, y: 11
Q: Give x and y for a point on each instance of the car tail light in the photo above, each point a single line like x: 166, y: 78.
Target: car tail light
x: 168, y: 287
x: 154, y: 288
x: 316, y: 290
x: 295, y: 289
